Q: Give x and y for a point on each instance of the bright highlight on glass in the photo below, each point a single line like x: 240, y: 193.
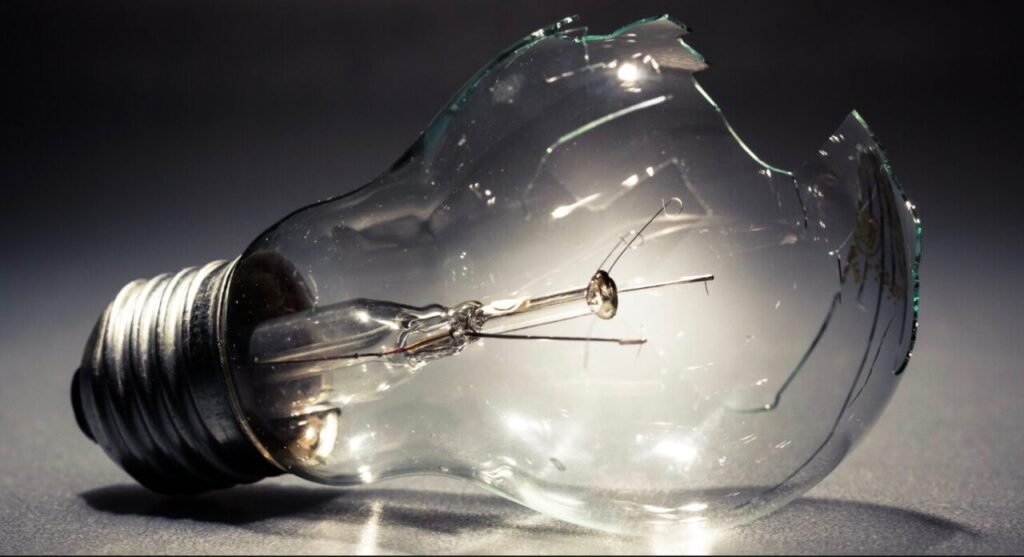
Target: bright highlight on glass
x: 578, y: 289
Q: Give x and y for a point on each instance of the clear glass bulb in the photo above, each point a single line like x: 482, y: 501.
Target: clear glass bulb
x: 580, y: 290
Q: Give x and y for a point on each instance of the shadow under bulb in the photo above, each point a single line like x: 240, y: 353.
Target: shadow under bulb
x: 578, y: 289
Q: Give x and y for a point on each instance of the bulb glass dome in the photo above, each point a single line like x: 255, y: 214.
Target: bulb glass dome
x: 582, y: 291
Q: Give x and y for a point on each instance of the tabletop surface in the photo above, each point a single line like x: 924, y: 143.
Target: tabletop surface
x: 939, y: 473
x: 183, y: 132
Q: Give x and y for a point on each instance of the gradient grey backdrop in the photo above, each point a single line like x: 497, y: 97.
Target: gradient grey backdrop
x: 142, y: 137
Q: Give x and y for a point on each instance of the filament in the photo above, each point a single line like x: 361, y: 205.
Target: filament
x: 663, y: 209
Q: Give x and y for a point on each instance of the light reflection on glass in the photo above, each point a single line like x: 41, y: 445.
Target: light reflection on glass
x: 744, y: 385
x: 566, y: 210
x: 628, y: 72
x: 681, y: 451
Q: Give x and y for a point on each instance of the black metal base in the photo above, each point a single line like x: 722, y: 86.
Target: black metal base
x: 152, y: 389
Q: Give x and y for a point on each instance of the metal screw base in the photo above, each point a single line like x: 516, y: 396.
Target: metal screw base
x: 152, y: 389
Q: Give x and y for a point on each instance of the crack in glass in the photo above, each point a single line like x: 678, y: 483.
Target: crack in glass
x: 454, y: 322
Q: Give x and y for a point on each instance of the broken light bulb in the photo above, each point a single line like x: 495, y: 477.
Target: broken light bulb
x: 578, y: 289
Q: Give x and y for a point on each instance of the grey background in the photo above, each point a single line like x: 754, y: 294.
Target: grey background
x: 140, y: 138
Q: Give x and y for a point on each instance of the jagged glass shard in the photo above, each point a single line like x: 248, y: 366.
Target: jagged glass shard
x: 729, y: 398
